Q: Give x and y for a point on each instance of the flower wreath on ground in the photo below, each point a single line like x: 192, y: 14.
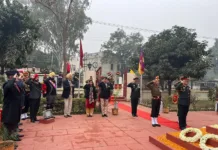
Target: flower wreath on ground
x: 204, y: 139
x: 195, y: 138
x: 215, y: 126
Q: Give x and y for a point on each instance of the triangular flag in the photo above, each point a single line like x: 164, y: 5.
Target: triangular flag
x: 131, y: 71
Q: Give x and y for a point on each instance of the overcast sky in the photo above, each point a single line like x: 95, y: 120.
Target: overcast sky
x: 150, y: 14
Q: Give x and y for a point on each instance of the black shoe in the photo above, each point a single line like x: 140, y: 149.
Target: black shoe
x: 23, y: 119
x: 52, y: 116
x: 183, y: 128
x: 136, y: 115
x: 20, y: 135
x: 69, y: 116
x: 158, y: 125
x: 36, y: 120
x: 153, y: 125
x: 33, y: 121
x: 105, y: 115
x: 65, y: 116
x: 90, y: 116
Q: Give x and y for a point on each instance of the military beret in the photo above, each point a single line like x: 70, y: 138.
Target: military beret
x: 184, y: 78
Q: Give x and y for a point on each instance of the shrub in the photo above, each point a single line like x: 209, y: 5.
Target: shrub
x: 78, y: 106
x: 212, y: 94
x: 194, y: 100
x: 1, y: 96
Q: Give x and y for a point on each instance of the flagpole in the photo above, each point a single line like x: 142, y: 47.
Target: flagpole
x: 141, y: 89
x: 79, y: 84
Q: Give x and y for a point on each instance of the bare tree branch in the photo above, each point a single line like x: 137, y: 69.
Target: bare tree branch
x: 49, y: 8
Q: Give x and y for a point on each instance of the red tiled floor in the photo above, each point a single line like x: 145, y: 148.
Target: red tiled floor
x: 122, y: 132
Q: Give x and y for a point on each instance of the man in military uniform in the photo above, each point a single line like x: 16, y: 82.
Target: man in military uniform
x: 12, y: 103
x: 183, y: 101
x: 24, y: 115
x: 135, y: 95
x: 156, y: 101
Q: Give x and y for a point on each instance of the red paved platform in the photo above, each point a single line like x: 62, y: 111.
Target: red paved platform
x: 122, y: 132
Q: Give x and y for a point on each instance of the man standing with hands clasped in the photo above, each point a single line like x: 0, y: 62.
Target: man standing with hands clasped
x: 183, y: 101
x: 156, y: 100
x: 135, y: 95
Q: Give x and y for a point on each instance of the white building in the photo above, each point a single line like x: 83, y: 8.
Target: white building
x: 74, y: 62
x: 92, y: 61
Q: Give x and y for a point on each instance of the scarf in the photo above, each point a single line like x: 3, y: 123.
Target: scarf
x: 53, y: 84
x: 91, y: 97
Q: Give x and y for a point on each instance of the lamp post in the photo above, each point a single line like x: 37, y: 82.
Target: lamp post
x: 89, y: 65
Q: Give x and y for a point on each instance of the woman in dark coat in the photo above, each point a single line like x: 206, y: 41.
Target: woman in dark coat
x: 91, y: 97
x: 34, y: 97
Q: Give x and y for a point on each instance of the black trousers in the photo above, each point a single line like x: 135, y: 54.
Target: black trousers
x: 26, y: 104
x: 182, y: 114
x: 34, y: 108
x: 155, y: 107
x: 134, y: 104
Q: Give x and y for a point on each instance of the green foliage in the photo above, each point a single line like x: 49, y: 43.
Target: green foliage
x: 122, y: 48
x: 213, y: 72
x: 194, y: 100
x: 212, y: 94
x: 166, y: 101
x: 18, y: 34
x: 45, y: 62
x: 175, y: 52
x: 63, y: 22
x: 1, y: 97
x: 78, y: 107
x: 4, y: 135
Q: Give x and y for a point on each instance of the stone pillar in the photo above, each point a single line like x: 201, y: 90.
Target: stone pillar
x: 130, y: 77
x: 87, y: 75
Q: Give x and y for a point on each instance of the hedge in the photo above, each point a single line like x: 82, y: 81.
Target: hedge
x: 78, y: 106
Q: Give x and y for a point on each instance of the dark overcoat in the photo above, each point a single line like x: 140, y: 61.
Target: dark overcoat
x: 66, y: 89
x: 11, y: 103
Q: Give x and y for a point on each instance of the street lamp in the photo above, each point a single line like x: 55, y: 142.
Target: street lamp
x: 89, y: 65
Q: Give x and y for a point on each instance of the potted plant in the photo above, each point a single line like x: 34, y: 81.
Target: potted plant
x: 5, y: 145
x: 115, y: 109
x: 166, y: 101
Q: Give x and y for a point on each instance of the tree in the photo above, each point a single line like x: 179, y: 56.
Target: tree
x: 175, y: 52
x: 18, y: 34
x: 213, y: 72
x: 64, y: 22
x: 46, y: 61
x: 120, y: 48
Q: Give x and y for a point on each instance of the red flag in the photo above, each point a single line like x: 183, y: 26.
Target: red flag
x: 68, y: 67
x: 81, y: 54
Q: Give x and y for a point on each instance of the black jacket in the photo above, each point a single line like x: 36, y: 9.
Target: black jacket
x: 184, y: 94
x: 51, y: 90
x: 87, y: 90
x: 11, y: 103
x: 135, y: 90
x: 105, y: 91
x: 66, y: 89
x: 35, y: 89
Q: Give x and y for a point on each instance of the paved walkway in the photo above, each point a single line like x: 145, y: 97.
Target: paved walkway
x: 122, y: 132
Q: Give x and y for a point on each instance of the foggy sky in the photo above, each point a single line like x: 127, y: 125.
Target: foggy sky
x: 150, y: 14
